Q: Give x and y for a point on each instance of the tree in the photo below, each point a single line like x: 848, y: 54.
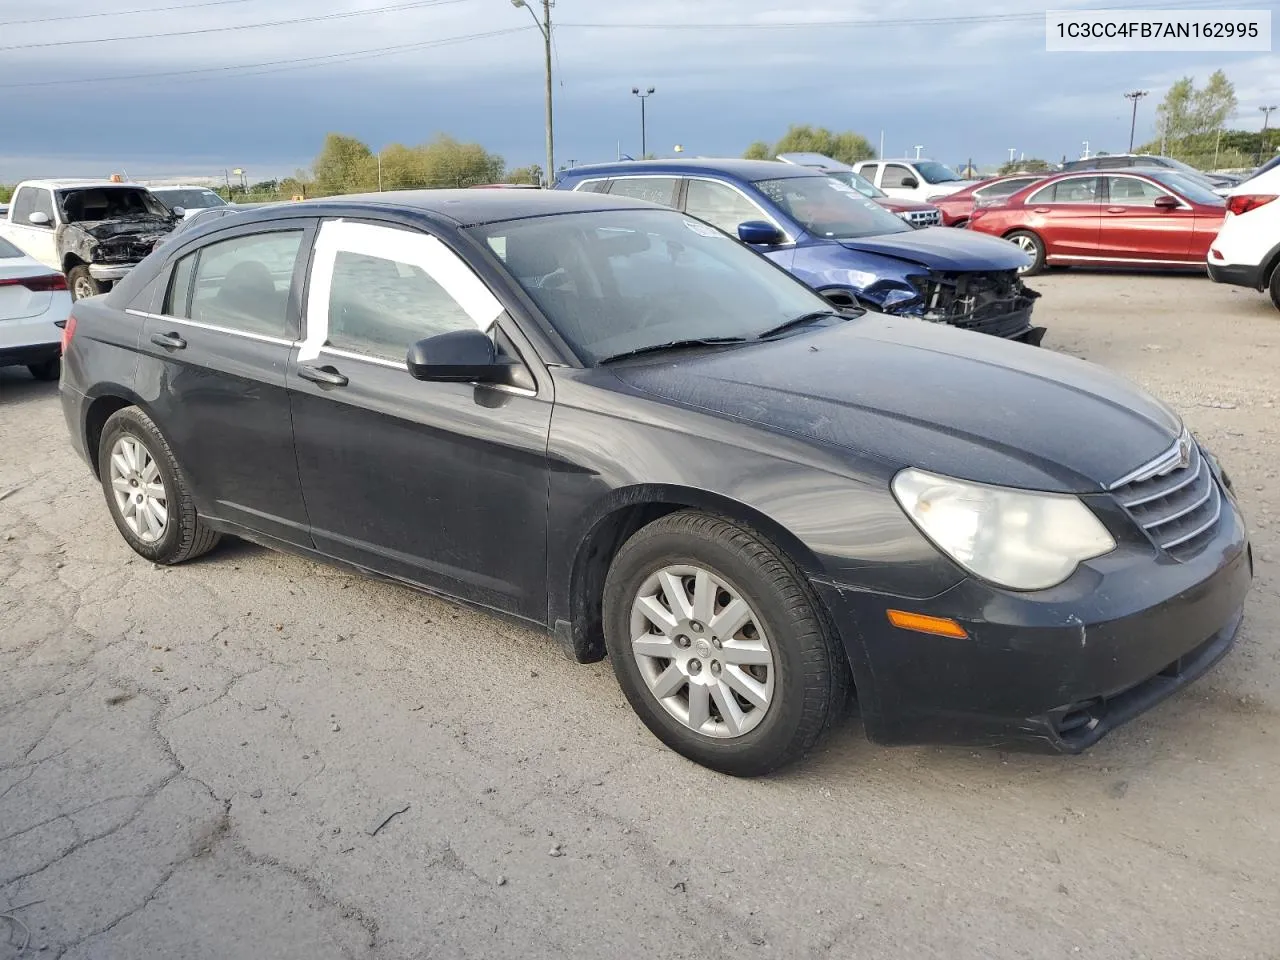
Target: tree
x: 342, y: 164
x: 1173, y: 116
x: 530, y: 174
x: 1212, y: 105
x: 1030, y: 165
x: 847, y: 147
x: 6, y: 193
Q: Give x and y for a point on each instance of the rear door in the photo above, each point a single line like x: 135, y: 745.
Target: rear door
x: 441, y: 484
x: 1134, y: 228
x: 213, y: 364
x: 38, y: 241
x: 1067, y: 215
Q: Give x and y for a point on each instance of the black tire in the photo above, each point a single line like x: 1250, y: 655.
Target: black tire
x: 81, y: 283
x: 961, y: 224
x: 811, y: 682
x: 47, y: 370
x: 1274, y: 286
x: 185, y: 535
x: 1035, y: 248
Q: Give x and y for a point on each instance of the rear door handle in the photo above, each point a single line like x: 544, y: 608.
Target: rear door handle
x: 170, y: 340
x: 1042, y: 210
x: 325, y: 376
x: 1117, y: 209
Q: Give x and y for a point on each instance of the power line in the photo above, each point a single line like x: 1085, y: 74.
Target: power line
x: 273, y: 66
x: 412, y: 5
x: 119, y: 13
x: 957, y: 20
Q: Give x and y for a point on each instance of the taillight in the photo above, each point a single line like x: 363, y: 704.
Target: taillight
x: 44, y: 283
x: 68, y: 332
x: 1248, y: 201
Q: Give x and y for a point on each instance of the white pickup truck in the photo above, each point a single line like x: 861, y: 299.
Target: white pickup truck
x: 93, y: 231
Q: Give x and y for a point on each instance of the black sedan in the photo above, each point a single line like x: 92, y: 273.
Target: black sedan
x: 613, y: 421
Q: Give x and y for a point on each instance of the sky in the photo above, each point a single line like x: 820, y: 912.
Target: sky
x: 725, y: 72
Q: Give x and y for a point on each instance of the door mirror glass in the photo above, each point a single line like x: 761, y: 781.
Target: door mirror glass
x: 460, y: 356
x: 759, y: 233
x: 1166, y: 203
x: 910, y: 183
x: 39, y: 219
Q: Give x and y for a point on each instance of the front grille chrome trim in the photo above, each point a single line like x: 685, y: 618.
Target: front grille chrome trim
x: 1162, y: 464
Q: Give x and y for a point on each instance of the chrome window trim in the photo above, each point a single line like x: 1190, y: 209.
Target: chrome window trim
x: 403, y: 367
x: 214, y: 328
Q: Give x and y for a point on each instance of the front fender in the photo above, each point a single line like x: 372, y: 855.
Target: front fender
x: 879, y: 281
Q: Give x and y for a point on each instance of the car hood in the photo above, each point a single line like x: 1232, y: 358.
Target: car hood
x: 901, y: 204
x: 944, y: 248
x: 911, y: 393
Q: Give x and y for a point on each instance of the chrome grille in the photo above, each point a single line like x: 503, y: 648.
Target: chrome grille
x: 1174, y: 499
x: 922, y: 218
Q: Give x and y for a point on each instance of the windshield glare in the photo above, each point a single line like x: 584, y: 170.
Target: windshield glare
x: 189, y: 199
x: 831, y: 209
x: 615, y: 281
x: 1190, y: 188
x: 858, y: 182
x: 934, y: 172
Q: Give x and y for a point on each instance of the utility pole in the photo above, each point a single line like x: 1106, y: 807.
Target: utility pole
x: 881, y: 144
x: 644, y: 141
x: 1135, y: 96
x: 544, y: 27
x: 1086, y: 151
x: 1262, y: 144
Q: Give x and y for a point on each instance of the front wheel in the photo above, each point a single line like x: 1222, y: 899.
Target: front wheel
x: 146, y: 492
x: 1030, y: 244
x: 82, y: 283
x: 719, y: 646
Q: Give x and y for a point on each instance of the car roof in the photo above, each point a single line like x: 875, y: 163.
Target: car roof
x: 749, y: 170
x: 464, y: 207
x: 68, y: 184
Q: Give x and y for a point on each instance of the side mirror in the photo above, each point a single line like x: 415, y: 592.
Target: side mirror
x: 461, y: 356
x: 39, y: 220
x: 759, y: 233
x: 910, y: 183
x: 1167, y: 202
x: 179, y: 212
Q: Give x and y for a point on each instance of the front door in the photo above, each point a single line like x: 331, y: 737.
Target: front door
x: 1134, y: 228
x: 38, y: 241
x: 213, y: 370
x: 726, y: 207
x: 440, y: 484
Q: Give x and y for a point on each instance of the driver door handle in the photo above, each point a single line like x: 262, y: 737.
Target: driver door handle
x: 325, y: 376
x: 170, y: 341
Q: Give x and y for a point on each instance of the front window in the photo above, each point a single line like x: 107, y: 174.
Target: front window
x: 829, y: 209
x: 616, y: 281
x: 720, y: 205
x: 189, y: 199
x: 934, y: 172
x: 1193, y: 189
x: 1132, y: 192
x: 109, y: 203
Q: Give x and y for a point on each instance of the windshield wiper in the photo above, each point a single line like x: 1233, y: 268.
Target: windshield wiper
x: 674, y: 345
x: 801, y: 320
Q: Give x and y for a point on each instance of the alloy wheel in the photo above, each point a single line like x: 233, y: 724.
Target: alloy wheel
x: 139, y: 490
x: 1027, y: 245
x: 702, y: 651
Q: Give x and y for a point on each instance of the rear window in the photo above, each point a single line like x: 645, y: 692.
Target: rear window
x: 1074, y: 190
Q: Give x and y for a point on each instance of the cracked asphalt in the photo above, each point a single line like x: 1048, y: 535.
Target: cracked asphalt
x: 193, y: 760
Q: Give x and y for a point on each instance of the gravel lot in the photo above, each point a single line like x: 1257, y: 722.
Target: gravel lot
x: 193, y: 760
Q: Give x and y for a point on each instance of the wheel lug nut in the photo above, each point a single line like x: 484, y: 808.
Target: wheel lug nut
x: 682, y: 641
x: 715, y: 642
x: 696, y: 627
x: 695, y: 666
x: 715, y: 667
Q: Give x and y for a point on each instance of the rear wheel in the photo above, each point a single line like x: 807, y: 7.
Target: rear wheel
x: 48, y: 370
x: 146, y: 492
x: 82, y: 283
x: 719, y: 647
x: 1275, y: 286
x: 1030, y: 244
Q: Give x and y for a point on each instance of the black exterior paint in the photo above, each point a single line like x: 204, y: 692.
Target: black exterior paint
x: 506, y: 500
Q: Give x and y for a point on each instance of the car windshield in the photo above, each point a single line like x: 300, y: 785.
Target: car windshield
x: 830, y: 208
x: 189, y: 199
x: 934, y: 172
x: 614, y: 282
x: 8, y: 250
x: 109, y: 203
x: 1189, y: 187
x: 858, y: 182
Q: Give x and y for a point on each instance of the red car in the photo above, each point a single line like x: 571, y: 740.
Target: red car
x: 956, y: 207
x: 1142, y: 218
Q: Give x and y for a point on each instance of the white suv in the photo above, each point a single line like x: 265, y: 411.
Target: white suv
x: 1247, y: 249
x: 925, y: 180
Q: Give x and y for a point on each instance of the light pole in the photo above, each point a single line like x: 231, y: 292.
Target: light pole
x: 1135, y: 96
x: 544, y: 27
x: 1012, y: 151
x: 644, y: 136
x: 1086, y: 150
x: 918, y: 147
x: 1262, y: 144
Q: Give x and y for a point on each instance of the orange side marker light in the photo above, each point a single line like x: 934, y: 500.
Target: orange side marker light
x: 918, y: 622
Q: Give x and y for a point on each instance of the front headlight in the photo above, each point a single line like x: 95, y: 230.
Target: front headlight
x: 1015, y: 538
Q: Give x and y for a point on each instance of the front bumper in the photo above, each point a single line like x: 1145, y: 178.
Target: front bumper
x: 110, y: 271
x: 1056, y: 669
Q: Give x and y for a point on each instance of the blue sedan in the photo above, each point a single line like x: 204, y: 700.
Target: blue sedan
x: 837, y: 241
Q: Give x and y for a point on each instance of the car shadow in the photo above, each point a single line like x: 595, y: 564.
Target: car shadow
x: 18, y: 387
